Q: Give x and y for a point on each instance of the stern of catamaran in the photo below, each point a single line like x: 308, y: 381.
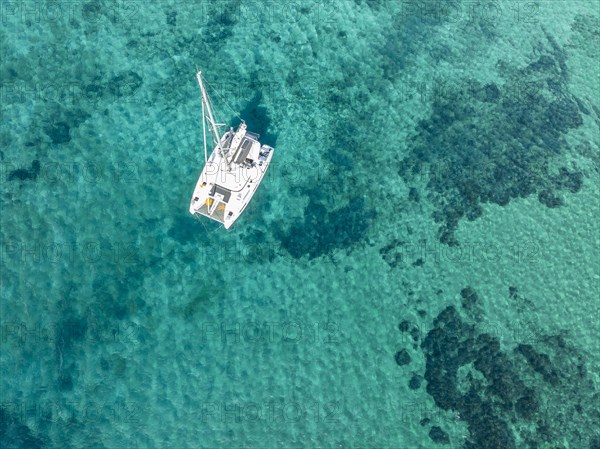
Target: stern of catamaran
x: 211, y: 207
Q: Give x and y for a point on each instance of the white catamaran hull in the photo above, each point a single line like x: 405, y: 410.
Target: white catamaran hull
x: 222, y: 194
x: 233, y: 171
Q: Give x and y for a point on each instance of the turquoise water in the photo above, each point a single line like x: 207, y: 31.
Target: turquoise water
x: 419, y: 268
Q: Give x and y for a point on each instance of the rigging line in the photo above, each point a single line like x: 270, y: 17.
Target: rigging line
x: 205, y: 229
x: 203, y: 225
x: 211, y: 103
x: 209, y: 233
x: 224, y: 101
x: 214, y: 129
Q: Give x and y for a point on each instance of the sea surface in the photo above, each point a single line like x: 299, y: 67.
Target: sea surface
x: 419, y: 268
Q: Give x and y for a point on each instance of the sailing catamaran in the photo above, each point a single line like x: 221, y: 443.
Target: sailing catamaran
x: 233, y: 171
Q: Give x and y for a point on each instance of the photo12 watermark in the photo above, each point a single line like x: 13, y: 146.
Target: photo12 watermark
x: 432, y: 12
x: 67, y: 413
x: 59, y: 252
x: 121, y: 89
x: 270, y: 411
x: 24, y: 333
x: 517, y: 333
x: 441, y: 90
x: 253, y: 332
x: 423, y: 252
x: 73, y: 172
x: 69, y: 12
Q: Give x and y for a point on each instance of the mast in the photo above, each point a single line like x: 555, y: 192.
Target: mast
x: 204, y: 133
x: 210, y: 117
